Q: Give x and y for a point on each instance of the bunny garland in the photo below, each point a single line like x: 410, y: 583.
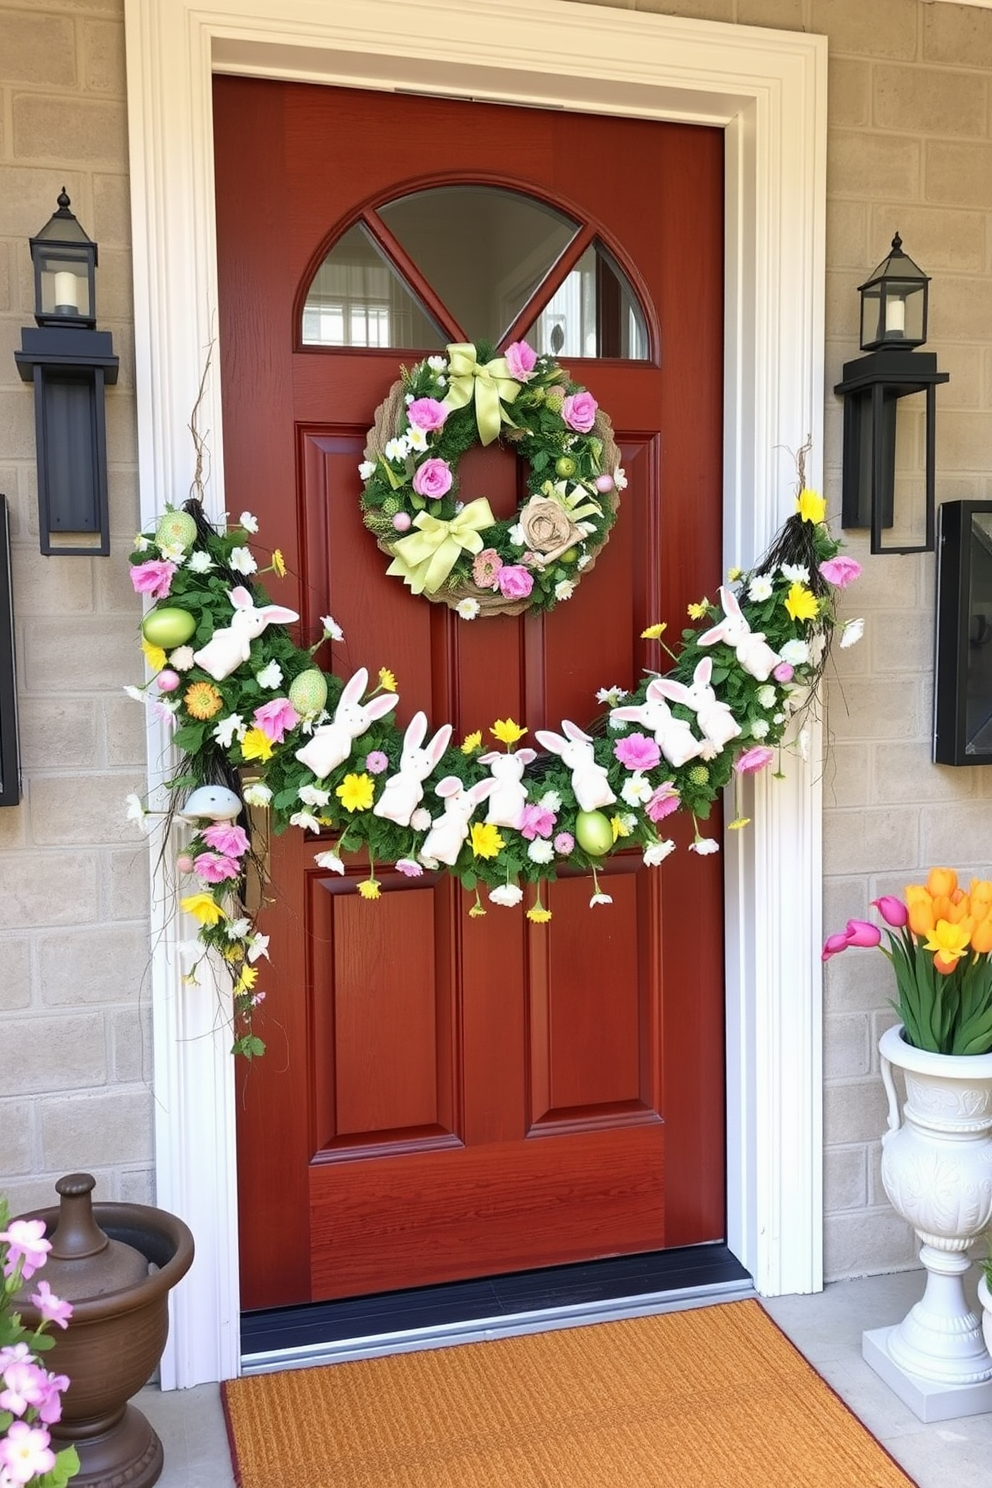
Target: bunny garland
x: 256, y: 722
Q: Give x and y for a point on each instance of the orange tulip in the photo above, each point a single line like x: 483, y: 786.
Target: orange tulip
x: 942, y: 881
x: 921, y: 916
x: 980, y: 893
x: 945, y: 965
x: 953, y: 910
x: 915, y: 892
x: 981, y: 936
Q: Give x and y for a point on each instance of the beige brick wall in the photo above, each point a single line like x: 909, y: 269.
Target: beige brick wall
x: 75, y: 1054
x: 910, y: 147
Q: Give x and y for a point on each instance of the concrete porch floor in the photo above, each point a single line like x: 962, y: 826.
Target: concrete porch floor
x: 826, y: 1328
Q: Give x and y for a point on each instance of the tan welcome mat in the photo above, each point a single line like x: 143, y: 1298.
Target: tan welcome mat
x: 712, y: 1398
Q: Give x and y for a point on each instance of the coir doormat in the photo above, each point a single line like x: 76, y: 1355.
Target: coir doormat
x: 711, y: 1398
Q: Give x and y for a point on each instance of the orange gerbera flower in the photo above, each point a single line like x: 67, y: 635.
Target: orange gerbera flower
x: 202, y: 700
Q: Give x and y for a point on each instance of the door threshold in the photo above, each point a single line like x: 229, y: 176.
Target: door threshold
x: 476, y: 1312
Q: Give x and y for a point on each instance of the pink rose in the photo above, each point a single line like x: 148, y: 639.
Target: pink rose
x: 485, y: 569
x: 521, y: 360
x: 579, y: 411
x: 841, y: 571
x: 433, y: 479
x: 514, y: 582
x: 755, y: 758
x: 153, y: 577
x: 275, y: 718
x: 427, y: 413
x: 228, y: 839
x: 637, y: 752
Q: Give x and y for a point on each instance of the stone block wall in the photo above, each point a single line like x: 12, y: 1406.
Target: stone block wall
x: 75, y: 1027
x: 910, y: 148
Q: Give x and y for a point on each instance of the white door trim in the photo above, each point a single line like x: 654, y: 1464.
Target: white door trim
x: 767, y: 89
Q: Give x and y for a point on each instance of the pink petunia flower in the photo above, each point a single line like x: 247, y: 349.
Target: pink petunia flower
x: 536, y: 821
x: 50, y: 1409
x: 24, y: 1388
x: 26, y: 1241
x: 579, y: 412
x: 427, y: 413
x: 515, y: 582
x: 753, y: 759
x: 226, y: 838
x: 25, y: 1452
x: 275, y: 718
x: 52, y: 1308
x: 153, y: 578
x: 664, y: 801
x: 216, y: 867
x: 521, y: 360
x: 637, y: 752
x: 840, y: 571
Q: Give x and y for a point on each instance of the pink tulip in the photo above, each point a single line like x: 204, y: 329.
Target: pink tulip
x: 857, y: 933
x: 892, y: 910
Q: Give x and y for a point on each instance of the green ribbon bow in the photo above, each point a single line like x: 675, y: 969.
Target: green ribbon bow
x: 577, y: 503
x: 425, y: 558
x: 489, y: 383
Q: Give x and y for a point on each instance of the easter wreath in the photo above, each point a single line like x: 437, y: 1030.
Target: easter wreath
x: 256, y: 721
x: 457, y: 552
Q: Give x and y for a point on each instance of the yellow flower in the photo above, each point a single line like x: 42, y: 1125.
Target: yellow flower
x: 506, y: 731
x: 811, y: 506
x: 369, y: 888
x: 486, y: 841
x: 476, y: 910
x: 653, y: 632
x: 154, y: 655
x: 737, y: 823
x: 472, y: 742
x: 247, y: 979
x: 733, y: 574
x: 801, y: 603
x: 620, y: 827
x: 698, y: 611
x: 949, y: 942
x: 539, y: 914
x: 279, y: 563
x: 203, y: 700
x: 203, y: 908
x: 386, y: 680
x: 256, y: 745
x: 356, y: 793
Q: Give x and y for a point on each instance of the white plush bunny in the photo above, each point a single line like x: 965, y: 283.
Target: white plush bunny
x: 444, y: 841
x: 752, y: 650
x: 403, y: 791
x: 673, y: 736
x: 229, y: 648
x: 589, y: 781
x: 715, y: 719
x: 331, y: 742
x: 509, y: 795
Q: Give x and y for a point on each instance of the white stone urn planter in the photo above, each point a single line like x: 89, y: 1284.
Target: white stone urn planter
x: 937, y: 1172
x: 985, y: 1298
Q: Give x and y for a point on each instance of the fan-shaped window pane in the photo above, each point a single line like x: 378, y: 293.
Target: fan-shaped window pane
x: 483, y: 250
x: 595, y: 313
x: 358, y: 299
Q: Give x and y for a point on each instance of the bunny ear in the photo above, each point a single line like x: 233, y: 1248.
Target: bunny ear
x: 355, y: 686
x: 729, y: 601
x: 479, y: 791
x: 439, y: 744
x: 630, y: 714
x: 654, y: 693
x: 554, y: 743
x: 241, y: 598
x: 415, y: 731
x: 527, y: 755
x: 491, y: 757
x: 677, y: 691
x: 449, y: 786
x: 704, y: 671
x: 381, y: 705
x: 573, y: 732
x: 279, y: 615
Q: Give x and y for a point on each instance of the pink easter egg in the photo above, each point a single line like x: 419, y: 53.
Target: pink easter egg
x: 604, y: 483
x: 168, y: 680
x: 402, y: 521
x: 184, y: 863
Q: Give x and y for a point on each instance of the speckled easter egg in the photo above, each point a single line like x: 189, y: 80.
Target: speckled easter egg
x: 175, y: 530
x: 167, y: 627
x: 593, y: 833
x: 308, y: 692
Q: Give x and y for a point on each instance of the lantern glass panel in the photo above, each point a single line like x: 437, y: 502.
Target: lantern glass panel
x: 63, y: 282
x: 893, y: 313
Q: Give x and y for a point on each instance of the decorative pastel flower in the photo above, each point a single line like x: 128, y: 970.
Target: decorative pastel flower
x: 621, y: 826
x: 215, y: 867
x: 433, y: 479
x: 536, y: 821
x: 332, y: 630
x: 25, y: 1241
x: 270, y: 676
x: 611, y: 695
x: 203, y: 907
x: 515, y: 535
x: 636, y: 789
x: 182, y: 658
x: 168, y: 680
x: 604, y: 484
x: 313, y: 795
x: 356, y: 792
x: 387, y: 680
x: 796, y: 573
x: 551, y: 801
x: 654, y: 632
x: 600, y: 898
x: 50, y: 1408
x: 759, y: 728
x: 202, y: 700
x: 796, y: 653
x: 472, y: 742
x: 515, y: 582
x: 256, y: 744
x: 507, y: 895
x: 200, y: 561
x: 330, y: 861
x: 657, y: 852
x: 226, y: 838
x: 366, y: 470
x: 369, y: 888
x: 485, y: 569
x: 811, y: 506
x: 230, y: 728
x: 242, y: 561
x: 486, y: 841
x: 153, y: 577
x: 154, y: 655
x: 275, y: 718
x: 416, y: 439
x: 760, y: 588
x: 421, y: 819
x: 766, y: 696
x: 564, y: 843
x: 698, y: 611
x: 306, y: 820
x: 25, y: 1453
x: 851, y: 633
x: 637, y: 752
x: 892, y: 910
x: 755, y: 758
x: 564, y: 589
x: 579, y: 412
x: 258, y: 946
x: 376, y: 762
x: 467, y: 609
x: 521, y: 360
x: 540, y: 851
x: 409, y: 867
x: 437, y: 363
x: 801, y: 602
x: 257, y: 794
x: 396, y: 449
x: 538, y: 914
x: 248, y: 522
x: 506, y: 731
x: 427, y: 413
x: 840, y: 571
x: 783, y: 672
x: 704, y: 846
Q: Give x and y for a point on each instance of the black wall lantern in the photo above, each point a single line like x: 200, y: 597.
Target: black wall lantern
x: 894, y: 306
x: 10, y: 773
x: 70, y: 363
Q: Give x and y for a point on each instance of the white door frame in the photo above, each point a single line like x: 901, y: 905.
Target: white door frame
x: 767, y: 89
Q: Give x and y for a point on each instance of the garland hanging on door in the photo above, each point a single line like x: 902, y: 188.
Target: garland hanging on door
x: 452, y: 549
x: 257, y: 722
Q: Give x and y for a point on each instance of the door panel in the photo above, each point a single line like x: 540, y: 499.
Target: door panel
x: 445, y: 1097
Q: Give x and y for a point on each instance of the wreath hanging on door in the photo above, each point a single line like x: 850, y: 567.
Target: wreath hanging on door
x: 453, y: 550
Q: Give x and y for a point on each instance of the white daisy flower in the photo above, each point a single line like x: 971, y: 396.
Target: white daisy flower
x: 437, y: 363
x: 172, y: 552
x: 564, y: 589
x: 396, y: 449
x: 636, y: 789
x: 796, y: 573
x: 760, y: 588
x: 237, y: 929
x: 416, y: 438
x: 611, y: 695
x: 467, y: 609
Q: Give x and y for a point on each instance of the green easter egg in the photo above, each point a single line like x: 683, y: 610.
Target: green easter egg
x: 168, y: 627
x: 175, y: 530
x: 565, y: 466
x: 593, y: 833
x: 308, y: 692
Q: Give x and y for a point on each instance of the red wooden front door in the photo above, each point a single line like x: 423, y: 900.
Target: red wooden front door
x: 445, y: 1097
